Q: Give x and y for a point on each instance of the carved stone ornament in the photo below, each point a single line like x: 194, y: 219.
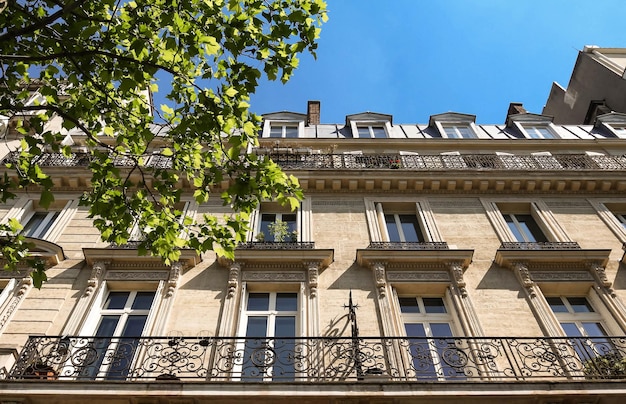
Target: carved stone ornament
x: 523, y: 274
x: 379, y: 276
x: 137, y: 275
x: 233, y: 278
x: 456, y: 270
x: 546, y: 276
x: 313, y: 272
x: 175, y: 271
x: 96, y: 274
x: 600, y: 274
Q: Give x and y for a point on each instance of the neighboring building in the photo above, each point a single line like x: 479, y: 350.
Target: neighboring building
x: 597, y: 87
x: 485, y: 262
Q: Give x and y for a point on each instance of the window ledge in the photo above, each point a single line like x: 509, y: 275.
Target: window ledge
x: 508, y: 257
x: 279, y: 257
x: 369, y: 256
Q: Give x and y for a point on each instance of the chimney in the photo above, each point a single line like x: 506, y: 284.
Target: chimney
x: 313, y: 113
x: 516, y: 108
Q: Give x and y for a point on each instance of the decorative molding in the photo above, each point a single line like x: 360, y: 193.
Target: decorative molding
x: 137, y: 275
x: 233, y: 279
x: 355, y: 203
x: 273, y: 276
x: 174, y: 275
x: 456, y: 272
x: 97, y: 271
x: 313, y: 274
x: 523, y: 274
x: 549, y: 276
x: 379, y: 276
x: 431, y: 276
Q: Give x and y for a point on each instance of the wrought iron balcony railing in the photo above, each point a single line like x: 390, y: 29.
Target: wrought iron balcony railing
x: 231, y: 359
x: 277, y: 245
x: 294, y: 161
x: 567, y: 245
x: 394, y: 245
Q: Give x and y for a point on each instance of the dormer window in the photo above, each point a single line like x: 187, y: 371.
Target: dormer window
x: 375, y: 131
x: 284, y: 129
x: 457, y: 131
x: 618, y: 129
x: 538, y: 132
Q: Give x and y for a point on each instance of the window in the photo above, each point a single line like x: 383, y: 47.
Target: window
x: 284, y: 130
x: 524, y: 228
x: 39, y: 223
x: 613, y: 213
x: 524, y: 222
x: 576, y: 316
x: 371, y: 131
x: 122, y: 320
x: 269, y: 324
x: 403, y: 227
x: 426, y: 319
x: 401, y: 221
x: 296, y: 225
x: 458, y: 132
x: 538, y: 132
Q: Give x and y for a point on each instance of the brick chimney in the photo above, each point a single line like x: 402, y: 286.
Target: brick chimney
x: 516, y: 108
x: 313, y: 113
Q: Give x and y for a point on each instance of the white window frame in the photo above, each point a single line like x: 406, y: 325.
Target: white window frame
x: 268, y: 124
x: 374, y: 210
x: 355, y: 125
x: 455, y: 126
x: 536, y: 208
x: 609, y: 215
x: 578, y: 317
x: 271, y: 315
x: 24, y: 209
x: 303, y: 219
x: 530, y: 128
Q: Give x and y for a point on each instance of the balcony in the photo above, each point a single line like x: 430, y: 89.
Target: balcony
x: 403, y: 245
x: 276, y: 245
x: 568, y: 245
x: 422, y: 162
x: 321, y: 360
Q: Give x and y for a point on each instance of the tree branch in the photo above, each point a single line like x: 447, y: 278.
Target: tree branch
x: 43, y: 22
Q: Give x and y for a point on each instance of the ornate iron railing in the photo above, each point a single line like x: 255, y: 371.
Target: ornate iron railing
x: 294, y: 161
x: 514, y: 245
x: 393, y: 245
x: 222, y: 359
x: 277, y: 245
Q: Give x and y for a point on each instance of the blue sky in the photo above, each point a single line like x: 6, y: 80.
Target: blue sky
x: 416, y: 58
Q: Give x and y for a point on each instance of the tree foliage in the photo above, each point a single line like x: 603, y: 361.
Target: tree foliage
x: 89, y: 63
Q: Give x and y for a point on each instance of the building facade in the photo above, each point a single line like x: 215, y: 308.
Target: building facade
x: 428, y: 263
x: 597, y: 87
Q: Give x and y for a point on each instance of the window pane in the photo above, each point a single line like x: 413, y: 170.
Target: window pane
x: 143, y: 300
x: 392, y: 228
x: 408, y: 305
x: 276, y: 131
x: 379, y: 132
x: 571, y: 330
x: 580, y: 305
x: 364, y: 131
x: 116, y: 300
x: 286, y: 301
x: 434, y: 305
x: 31, y: 229
x: 411, y: 228
x: 290, y: 219
x: 257, y: 326
x: 134, y: 326
x: 510, y: 221
x: 593, y: 329
x: 258, y: 301
x: 107, y: 326
x: 530, y: 228
x: 266, y: 220
x: 465, y: 132
x: 285, y: 326
x: 415, y: 330
x: 440, y: 330
x: 450, y: 131
x: 291, y: 131
x: 556, y: 304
